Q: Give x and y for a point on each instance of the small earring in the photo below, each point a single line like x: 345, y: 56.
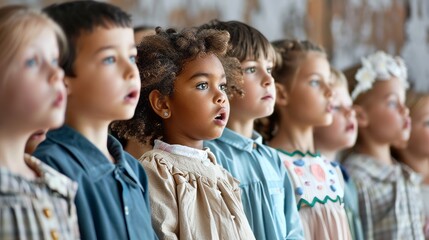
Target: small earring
x: 166, y: 114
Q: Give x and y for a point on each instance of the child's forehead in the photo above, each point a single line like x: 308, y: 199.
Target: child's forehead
x: 261, y: 59
x: 104, y: 36
x: 383, y: 89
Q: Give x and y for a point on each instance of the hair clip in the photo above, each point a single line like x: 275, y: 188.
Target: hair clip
x: 379, y: 66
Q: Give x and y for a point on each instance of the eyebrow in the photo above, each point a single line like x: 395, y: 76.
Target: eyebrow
x: 132, y: 46
x: 203, y: 74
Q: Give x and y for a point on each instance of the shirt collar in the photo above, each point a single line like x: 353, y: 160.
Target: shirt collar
x: 90, y: 157
x: 382, y: 171
x: 238, y: 141
x: 185, y: 151
x: 46, y: 176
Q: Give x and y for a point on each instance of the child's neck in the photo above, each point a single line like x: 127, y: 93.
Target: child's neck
x: 380, y: 152
x: 12, y: 153
x: 242, y: 127
x: 95, y: 131
x: 329, y: 154
x: 177, y: 140
x: 419, y: 164
x: 291, y: 137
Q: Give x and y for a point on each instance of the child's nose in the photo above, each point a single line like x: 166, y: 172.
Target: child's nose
x: 57, y: 74
x: 267, y: 80
x: 221, y: 97
x: 131, y: 71
x: 405, y: 110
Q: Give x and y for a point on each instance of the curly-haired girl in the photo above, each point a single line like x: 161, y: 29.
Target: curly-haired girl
x: 184, y: 100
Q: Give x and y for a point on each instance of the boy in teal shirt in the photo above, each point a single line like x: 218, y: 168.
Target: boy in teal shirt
x: 267, y: 195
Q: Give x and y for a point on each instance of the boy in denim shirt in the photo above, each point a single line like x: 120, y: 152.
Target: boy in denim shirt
x: 103, y: 85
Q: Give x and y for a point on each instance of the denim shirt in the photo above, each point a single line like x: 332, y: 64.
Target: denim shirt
x: 267, y: 196
x: 112, y: 200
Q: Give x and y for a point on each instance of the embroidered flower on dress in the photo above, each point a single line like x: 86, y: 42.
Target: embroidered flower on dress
x: 379, y: 66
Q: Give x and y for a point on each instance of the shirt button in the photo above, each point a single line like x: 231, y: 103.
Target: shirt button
x: 254, y: 145
x: 55, y: 235
x: 47, y: 212
x: 126, y: 210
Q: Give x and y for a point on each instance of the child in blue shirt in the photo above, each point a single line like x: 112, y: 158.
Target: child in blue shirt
x: 267, y: 195
x: 103, y: 85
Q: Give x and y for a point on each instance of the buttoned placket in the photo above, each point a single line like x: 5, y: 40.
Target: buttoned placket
x: 129, y: 188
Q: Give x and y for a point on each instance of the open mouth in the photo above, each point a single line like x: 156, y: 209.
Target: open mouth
x: 350, y: 127
x: 221, y: 117
x: 329, y: 108
x: 59, y: 99
x: 132, y: 95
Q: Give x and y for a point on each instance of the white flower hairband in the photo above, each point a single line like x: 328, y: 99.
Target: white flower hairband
x: 379, y: 66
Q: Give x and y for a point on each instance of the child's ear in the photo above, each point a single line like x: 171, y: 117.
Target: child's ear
x: 160, y: 104
x: 282, y: 96
x: 361, y: 116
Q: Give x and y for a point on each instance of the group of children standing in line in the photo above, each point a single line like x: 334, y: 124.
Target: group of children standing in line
x: 245, y: 136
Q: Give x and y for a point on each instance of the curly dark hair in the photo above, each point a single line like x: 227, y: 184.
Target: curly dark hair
x: 160, y: 60
x: 289, y: 54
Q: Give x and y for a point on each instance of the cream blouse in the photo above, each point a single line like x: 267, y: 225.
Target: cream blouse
x: 191, y: 196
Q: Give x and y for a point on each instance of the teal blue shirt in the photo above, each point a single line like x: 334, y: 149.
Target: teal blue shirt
x: 266, y: 190
x: 112, y: 200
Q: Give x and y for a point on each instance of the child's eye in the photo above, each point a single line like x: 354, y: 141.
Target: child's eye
x: 55, y: 62
x: 392, y: 104
x: 31, y: 62
x: 133, y: 59
x: 315, y: 83
x: 336, y: 108
x: 202, y: 86
x: 269, y: 70
x: 223, y: 87
x: 250, y: 70
x: 109, y: 60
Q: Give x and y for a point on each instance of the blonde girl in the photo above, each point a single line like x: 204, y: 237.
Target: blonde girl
x: 416, y: 152
x: 388, y: 192
x: 333, y: 139
x: 304, y: 101
x: 36, y: 202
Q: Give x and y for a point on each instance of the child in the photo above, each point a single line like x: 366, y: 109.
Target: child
x: 416, y: 154
x: 339, y: 135
x: 36, y: 202
x: 266, y: 191
x: 184, y: 102
x: 304, y: 101
x: 103, y: 85
x: 388, y: 193
x: 132, y: 146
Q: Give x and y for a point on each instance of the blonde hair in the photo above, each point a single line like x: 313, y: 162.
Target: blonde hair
x: 289, y: 56
x: 19, y: 25
x: 415, y: 100
x: 338, y: 78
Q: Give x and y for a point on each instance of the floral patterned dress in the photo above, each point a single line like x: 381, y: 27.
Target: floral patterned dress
x: 319, y: 191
